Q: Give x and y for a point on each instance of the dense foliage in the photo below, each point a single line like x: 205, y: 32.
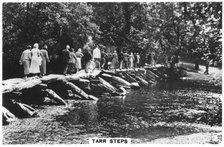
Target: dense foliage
x: 164, y: 28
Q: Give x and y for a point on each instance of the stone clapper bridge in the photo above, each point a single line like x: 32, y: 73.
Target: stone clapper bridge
x: 20, y: 94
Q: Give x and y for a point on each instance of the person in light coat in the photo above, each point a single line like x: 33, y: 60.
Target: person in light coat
x: 131, y: 60
x: 114, y: 60
x: 79, y: 56
x: 25, y: 61
x: 35, y: 60
x: 97, y: 56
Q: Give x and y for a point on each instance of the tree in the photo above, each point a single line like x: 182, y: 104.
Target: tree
x: 164, y: 28
x: 54, y: 24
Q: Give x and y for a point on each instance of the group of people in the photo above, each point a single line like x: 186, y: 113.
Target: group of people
x: 120, y: 60
x: 97, y: 59
x: 71, y: 60
x: 131, y: 60
x: 75, y: 61
x: 34, y: 60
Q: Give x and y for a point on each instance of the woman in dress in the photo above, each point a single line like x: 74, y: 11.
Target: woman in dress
x: 131, y: 60
x: 72, y: 62
x: 45, y: 59
x: 114, y: 60
x: 25, y: 61
x: 79, y: 56
x: 35, y: 60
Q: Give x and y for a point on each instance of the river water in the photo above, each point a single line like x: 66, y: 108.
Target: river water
x: 163, y: 110
x: 140, y: 113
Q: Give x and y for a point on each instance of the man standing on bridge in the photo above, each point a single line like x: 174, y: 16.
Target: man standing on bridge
x: 65, y: 59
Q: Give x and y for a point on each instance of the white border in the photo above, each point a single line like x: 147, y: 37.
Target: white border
x: 103, y: 145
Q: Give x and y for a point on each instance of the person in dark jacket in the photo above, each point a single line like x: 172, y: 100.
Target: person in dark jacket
x: 45, y: 59
x: 87, y: 56
x: 65, y: 58
x: 121, y: 59
x: 103, y: 60
x: 207, y: 63
x: 126, y: 60
x: 72, y: 67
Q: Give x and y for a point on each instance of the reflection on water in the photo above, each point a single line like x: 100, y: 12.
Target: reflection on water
x: 136, y: 114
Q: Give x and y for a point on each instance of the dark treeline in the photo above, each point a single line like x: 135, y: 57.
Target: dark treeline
x: 163, y: 28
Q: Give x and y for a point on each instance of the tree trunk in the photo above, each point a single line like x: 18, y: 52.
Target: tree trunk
x: 127, y: 16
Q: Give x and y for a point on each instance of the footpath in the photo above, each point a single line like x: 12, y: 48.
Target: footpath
x: 214, y: 76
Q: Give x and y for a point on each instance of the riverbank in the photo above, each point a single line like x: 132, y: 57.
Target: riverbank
x: 44, y: 129
x: 214, y: 76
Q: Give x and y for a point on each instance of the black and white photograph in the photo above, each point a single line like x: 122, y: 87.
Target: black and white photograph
x: 116, y: 72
